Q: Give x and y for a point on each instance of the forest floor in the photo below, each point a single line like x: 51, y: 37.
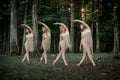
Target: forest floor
x: 107, y: 68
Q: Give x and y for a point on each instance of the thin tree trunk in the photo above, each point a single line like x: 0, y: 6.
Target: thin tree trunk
x: 13, y: 28
x: 83, y: 11
x: 4, y: 38
x: 97, y: 28
x: 25, y: 21
x: 7, y: 43
x: 54, y: 42
x: 35, y: 25
x: 116, y: 40
x: 92, y: 16
x: 0, y: 44
x: 97, y: 37
x: 72, y: 27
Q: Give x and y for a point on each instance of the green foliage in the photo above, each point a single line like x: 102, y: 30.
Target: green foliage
x: 106, y: 29
x: 50, y: 11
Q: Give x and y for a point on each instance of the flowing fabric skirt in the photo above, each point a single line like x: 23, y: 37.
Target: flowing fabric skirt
x: 29, y: 45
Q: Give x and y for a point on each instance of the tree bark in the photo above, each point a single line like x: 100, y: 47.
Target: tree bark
x: 35, y: 25
x: 13, y: 28
x: 116, y: 40
x: 72, y: 27
x: 97, y: 27
x: 25, y: 22
x: 97, y: 37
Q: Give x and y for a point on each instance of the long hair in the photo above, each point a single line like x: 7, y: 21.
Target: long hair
x: 84, y: 27
x: 62, y: 29
x: 29, y: 31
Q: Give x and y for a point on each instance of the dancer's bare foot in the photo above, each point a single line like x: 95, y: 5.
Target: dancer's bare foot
x: 53, y: 63
x: 94, y: 65
x: 66, y: 64
x: 78, y: 65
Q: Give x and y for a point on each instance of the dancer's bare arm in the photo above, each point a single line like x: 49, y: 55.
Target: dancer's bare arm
x: 28, y: 27
x: 61, y: 25
x: 82, y: 22
x: 81, y: 43
x: 44, y: 25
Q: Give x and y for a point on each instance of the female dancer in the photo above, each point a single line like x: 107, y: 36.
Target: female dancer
x: 46, y: 40
x: 28, y: 42
x: 64, y: 42
x: 86, y: 41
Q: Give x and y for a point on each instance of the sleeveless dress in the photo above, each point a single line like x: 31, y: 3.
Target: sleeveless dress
x: 29, y: 42
x: 65, y: 40
x: 87, y: 38
x: 46, y: 41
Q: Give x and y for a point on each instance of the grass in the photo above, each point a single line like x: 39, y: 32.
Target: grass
x: 107, y: 68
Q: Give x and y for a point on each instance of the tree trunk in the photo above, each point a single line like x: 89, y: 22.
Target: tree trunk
x: 13, y: 28
x: 116, y: 40
x: 25, y: 21
x: 97, y: 27
x: 97, y: 37
x: 54, y: 42
x: 83, y: 11
x: 35, y: 25
x: 72, y: 27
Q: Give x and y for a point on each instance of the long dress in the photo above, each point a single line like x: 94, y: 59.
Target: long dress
x: 64, y: 43
x: 46, y: 41
x: 29, y: 42
x: 87, y: 39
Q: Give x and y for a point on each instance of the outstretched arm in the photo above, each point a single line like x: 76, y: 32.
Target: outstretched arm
x: 61, y: 25
x: 28, y: 27
x: 82, y: 22
x: 44, y: 25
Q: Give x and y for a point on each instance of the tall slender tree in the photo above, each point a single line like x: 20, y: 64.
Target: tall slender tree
x: 83, y: 10
x: 13, y: 28
x: 116, y: 40
x: 97, y: 26
x: 25, y: 22
x: 72, y: 26
x: 35, y: 24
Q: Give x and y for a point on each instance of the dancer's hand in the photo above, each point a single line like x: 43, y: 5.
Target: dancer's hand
x: 22, y: 24
x: 41, y: 47
x: 80, y: 48
x: 55, y: 23
x: 73, y: 20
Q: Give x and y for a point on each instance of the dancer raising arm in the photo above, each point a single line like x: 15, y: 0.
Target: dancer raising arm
x: 86, y: 41
x: 28, y: 42
x: 64, y: 42
x: 46, y: 40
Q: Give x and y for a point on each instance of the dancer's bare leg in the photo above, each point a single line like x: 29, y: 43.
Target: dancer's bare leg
x: 42, y: 57
x: 90, y: 56
x: 45, y: 57
x: 24, y: 58
x: 27, y: 56
x: 57, y: 58
x: 63, y: 56
x: 83, y: 57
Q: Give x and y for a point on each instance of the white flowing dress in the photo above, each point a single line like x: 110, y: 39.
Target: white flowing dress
x: 87, y: 39
x: 64, y: 43
x: 29, y: 42
x: 46, y: 41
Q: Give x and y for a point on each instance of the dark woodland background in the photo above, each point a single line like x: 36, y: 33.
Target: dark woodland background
x: 102, y: 15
